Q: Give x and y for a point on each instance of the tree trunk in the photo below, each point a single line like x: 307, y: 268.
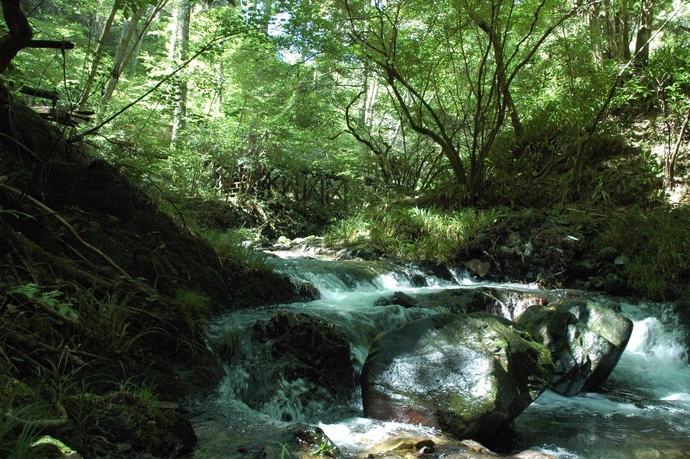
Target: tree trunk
x: 128, y: 30
x: 98, y: 56
x: 644, y: 33
x: 498, y: 48
x: 131, y: 58
x: 181, y: 50
x: 19, y: 35
x: 595, y: 34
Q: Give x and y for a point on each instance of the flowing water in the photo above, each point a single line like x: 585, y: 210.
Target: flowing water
x: 642, y: 412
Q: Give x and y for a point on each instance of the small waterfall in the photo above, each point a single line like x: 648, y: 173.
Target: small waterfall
x: 656, y: 361
x: 334, y: 278
x: 644, y: 408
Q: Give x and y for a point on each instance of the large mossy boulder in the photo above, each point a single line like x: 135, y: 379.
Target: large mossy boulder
x: 585, y: 340
x: 467, y: 374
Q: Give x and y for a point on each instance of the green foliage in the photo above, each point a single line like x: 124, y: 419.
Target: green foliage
x: 20, y: 407
x: 138, y: 387
x: 663, y: 85
x: 15, y: 213
x: 234, y: 248
x: 655, y: 246
x: 411, y: 233
x: 195, y: 308
x: 49, y: 299
x: 115, y: 321
x: 17, y: 446
x: 285, y: 452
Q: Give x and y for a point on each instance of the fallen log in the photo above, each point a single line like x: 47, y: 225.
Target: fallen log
x: 63, y: 116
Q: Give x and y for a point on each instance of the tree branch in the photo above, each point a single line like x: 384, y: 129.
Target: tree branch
x: 52, y: 44
x: 20, y: 35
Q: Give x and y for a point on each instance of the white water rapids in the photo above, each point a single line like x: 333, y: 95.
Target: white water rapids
x: 642, y: 412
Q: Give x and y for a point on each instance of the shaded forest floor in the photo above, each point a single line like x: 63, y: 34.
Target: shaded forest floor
x: 102, y: 302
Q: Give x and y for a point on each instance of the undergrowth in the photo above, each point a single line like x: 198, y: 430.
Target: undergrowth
x: 235, y: 249
x: 410, y: 233
x: 654, y: 247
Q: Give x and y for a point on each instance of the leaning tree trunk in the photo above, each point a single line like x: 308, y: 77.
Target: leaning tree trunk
x: 20, y: 35
x: 127, y: 34
x: 98, y: 56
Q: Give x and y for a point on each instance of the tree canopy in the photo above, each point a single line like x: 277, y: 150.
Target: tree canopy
x: 441, y: 99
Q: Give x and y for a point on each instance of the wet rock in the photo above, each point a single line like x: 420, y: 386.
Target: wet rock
x: 456, y: 301
x: 418, y: 280
x: 441, y: 446
x: 310, y: 349
x: 403, y: 446
x: 436, y: 269
x: 504, y: 302
x: 469, y: 375
x: 585, y: 340
x: 382, y: 301
x: 315, y: 439
x: 481, y: 268
x: 305, y: 291
x: 403, y: 299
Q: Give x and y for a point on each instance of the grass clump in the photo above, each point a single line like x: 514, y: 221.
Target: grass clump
x: 411, y: 233
x: 235, y: 248
x: 194, y: 307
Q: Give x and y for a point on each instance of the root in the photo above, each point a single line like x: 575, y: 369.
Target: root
x: 69, y: 227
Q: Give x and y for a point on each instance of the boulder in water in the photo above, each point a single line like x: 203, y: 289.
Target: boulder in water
x: 311, y: 349
x: 585, y: 340
x: 468, y: 374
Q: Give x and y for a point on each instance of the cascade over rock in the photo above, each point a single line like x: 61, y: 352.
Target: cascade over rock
x: 310, y: 349
x: 585, y: 340
x: 468, y: 374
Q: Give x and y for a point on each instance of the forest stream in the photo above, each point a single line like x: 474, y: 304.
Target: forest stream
x: 642, y: 411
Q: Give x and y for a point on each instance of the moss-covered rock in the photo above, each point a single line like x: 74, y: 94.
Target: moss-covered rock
x: 585, y: 340
x: 127, y: 422
x: 469, y: 375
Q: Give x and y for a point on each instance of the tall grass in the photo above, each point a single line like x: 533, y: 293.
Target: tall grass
x: 17, y: 434
x: 411, y: 233
x: 234, y: 248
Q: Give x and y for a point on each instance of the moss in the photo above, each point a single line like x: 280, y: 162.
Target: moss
x: 18, y: 395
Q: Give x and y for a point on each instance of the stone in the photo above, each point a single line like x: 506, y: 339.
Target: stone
x: 467, y: 374
x: 309, y: 348
x: 481, y: 268
x: 585, y: 340
x: 403, y: 299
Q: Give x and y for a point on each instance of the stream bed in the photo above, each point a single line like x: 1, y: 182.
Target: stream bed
x: 643, y: 410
